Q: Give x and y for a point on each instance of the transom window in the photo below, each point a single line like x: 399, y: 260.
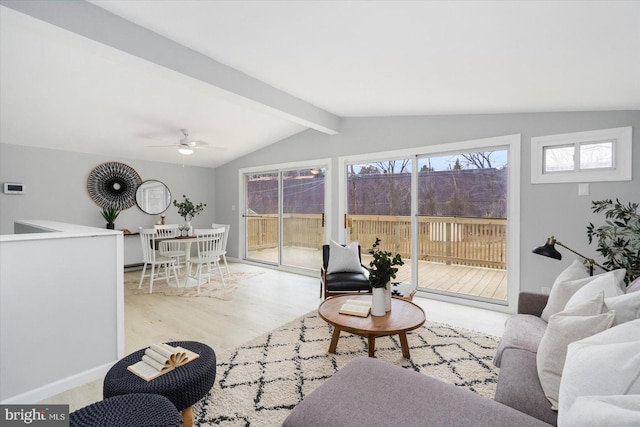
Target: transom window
x: 602, y: 155
x: 577, y: 157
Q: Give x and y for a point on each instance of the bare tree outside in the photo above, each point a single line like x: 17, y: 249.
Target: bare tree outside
x: 478, y: 159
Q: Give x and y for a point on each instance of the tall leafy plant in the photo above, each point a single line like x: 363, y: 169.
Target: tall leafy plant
x: 619, y: 239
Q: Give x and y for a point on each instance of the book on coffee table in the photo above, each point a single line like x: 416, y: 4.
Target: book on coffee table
x: 355, y: 307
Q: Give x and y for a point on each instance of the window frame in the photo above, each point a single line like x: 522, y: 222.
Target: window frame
x: 622, y: 156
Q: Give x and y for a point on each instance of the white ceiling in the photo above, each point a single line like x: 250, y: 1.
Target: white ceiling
x: 297, y: 65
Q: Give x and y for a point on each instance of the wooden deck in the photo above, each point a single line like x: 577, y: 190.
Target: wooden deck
x: 458, y: 279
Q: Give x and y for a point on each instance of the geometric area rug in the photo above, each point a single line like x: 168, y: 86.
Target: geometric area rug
x: 259, y: 383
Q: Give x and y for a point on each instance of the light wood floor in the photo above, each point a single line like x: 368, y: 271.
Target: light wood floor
x: 261, y: 303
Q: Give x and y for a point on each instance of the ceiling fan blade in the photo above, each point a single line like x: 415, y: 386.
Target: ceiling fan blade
x: 163, y: 146
x: 196, y: 144
x: 203, y: 144
x: 189, y: 143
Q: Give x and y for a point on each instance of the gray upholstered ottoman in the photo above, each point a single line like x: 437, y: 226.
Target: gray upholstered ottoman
x: 130, y: 410
x: 183, y: 386
x: 372, y: 393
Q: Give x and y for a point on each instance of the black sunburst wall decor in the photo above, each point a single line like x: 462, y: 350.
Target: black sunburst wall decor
x: 113, y: 185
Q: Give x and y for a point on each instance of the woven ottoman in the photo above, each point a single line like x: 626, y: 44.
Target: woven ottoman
x: 183, y: 386
x: 130, y: 410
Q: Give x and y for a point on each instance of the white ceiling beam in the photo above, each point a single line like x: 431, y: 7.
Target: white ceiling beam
x: 97, y: 24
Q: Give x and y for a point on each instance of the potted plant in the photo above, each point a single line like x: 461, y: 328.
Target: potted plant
x: 110, y: 215
x: 187, y: 210
x: 382, y: 268
x: 619, y: 239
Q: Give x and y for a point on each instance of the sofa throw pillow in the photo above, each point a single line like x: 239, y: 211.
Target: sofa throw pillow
x: 604, y: 411
x: 627, y: 307
x: 575, y: 271
x: 564, y: 328
x: 610, y: 283
x: 634, y: 286
x: 344, y: 259
x: 604, y: 364
x: 563, y: 289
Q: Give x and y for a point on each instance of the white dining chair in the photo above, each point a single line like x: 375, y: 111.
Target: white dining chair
x: 152, y: 258
x: 170, y: 248
x: 167, y: 230
x: 223, y: 254
x: 209, y: 246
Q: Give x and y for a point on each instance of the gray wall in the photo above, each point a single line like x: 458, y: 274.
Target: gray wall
x: 56, y: 188
x: 546, y: 209
x: 56, y: 180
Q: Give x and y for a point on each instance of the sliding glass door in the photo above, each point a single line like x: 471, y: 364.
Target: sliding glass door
x: 462, y: 223
x: 262, y: 224
x: 303, y: 217
x: 379, y: 206
x: 284, y: 218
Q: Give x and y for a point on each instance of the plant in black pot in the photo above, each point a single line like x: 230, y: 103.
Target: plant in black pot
x: 110, y: 215
x: 382, y: 268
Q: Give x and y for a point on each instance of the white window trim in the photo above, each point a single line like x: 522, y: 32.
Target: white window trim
x: 622, y: 156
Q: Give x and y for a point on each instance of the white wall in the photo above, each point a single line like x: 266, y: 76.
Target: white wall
x: 56, y: 188
x: 546, y: 209
x: 61, y: 323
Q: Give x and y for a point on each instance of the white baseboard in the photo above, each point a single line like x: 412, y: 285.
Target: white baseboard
x: 62, y: 385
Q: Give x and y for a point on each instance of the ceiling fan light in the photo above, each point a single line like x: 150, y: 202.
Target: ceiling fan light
x: 185, y: 150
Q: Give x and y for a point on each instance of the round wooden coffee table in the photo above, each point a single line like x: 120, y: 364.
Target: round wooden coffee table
x: 404, y: 316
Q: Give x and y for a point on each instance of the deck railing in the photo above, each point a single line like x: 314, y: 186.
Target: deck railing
x: 478, y: 242
x: 302, y: 230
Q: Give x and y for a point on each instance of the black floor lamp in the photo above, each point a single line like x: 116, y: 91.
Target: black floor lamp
x: 549, y: 250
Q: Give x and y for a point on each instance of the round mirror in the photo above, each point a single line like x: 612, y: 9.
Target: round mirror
x: 153, y: 197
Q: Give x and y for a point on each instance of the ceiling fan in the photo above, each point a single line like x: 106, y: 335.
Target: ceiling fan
x: 187, y: 145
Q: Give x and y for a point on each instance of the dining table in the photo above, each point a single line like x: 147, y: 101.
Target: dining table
x: 188, y: 280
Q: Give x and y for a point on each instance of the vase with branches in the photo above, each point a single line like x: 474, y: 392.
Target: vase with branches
x: 619, y: 239
x: 187, y: 210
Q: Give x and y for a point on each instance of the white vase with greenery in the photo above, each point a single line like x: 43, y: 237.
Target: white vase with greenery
x: 378, y: 302
x: 382, y: 268
x: 387, y: 297
x: 187, y: 210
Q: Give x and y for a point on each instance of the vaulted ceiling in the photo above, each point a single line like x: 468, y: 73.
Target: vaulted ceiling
x: 117, y: 77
